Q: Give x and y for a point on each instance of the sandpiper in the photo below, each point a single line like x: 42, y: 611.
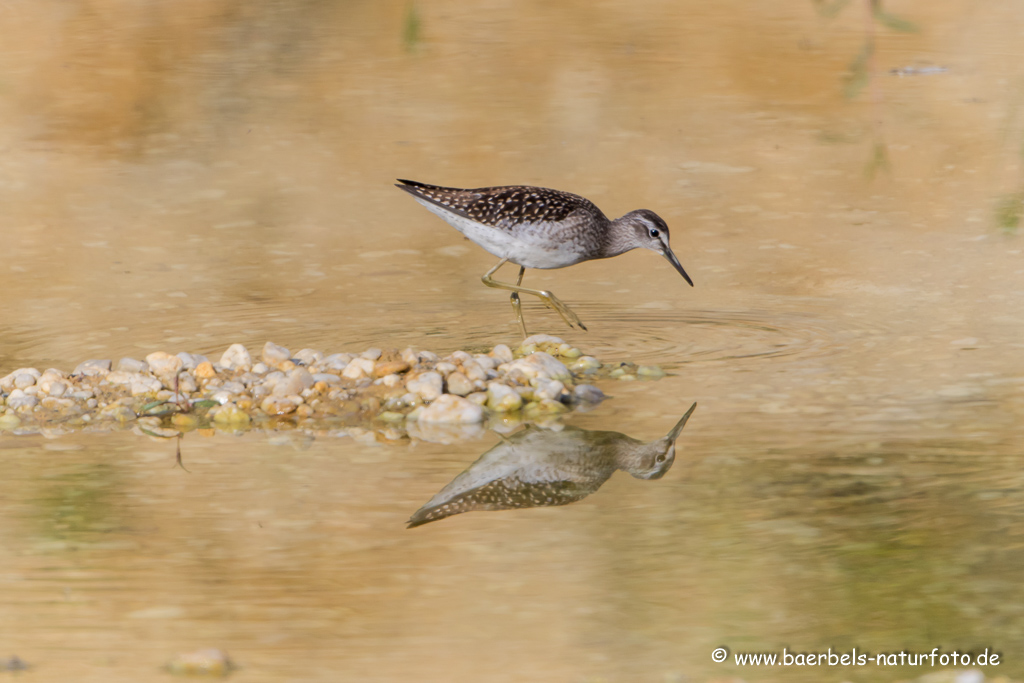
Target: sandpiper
x: 540, y: 467
x: 535, y: 227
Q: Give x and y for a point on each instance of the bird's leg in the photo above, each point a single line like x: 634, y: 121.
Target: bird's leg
x: 514, y: 297
x: 548, y: 298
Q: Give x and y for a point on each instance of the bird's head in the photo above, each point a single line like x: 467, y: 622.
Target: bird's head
x: 651, y: 232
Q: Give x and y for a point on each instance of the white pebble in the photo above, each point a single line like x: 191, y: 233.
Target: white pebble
x: 359, y: 368
x: 501, y: 353
x: 503, y: 399
x: 236, y: 358
x: 371, y: 354
x: 453, y: 410
x: 93, y: 368
x: 273, y: 355
x: 131, y: 365
x: 427, y: 386
x: 309, y: 356
x: 540, y: 364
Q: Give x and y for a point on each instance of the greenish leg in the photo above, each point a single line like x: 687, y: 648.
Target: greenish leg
x: 548, y: 298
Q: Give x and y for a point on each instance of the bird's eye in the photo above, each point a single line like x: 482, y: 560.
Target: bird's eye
x: 654, y: 232
x: 661, y: 458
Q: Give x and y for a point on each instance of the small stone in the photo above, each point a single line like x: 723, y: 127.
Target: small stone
x: 190, y: 361
x: 164, y: 365
x: 571, y: 353
x: 184, y: 420
x: 391, y: 381
x: 142, y: 385
x: 627, y: 377
x: 390, y: 368
x: 445, y: 368
x: 501, y: 353
x: 19, y: 400
x: 588, y: 393
x: 297, y: 381
x: 478, y: 397
x: 410, y: 356
x: 57, y: 389
x: 474, y: 370
x: 336, y: 361
x: 131, y: 365
x: 274, y: 354
x: 280, y: 405
x: 205, y: 370
x: 585, y: 365
x: 544, y: 408
x: 236, y: 358
x: 543, y: 340
x: 327, y: 378
x: 550, y: 389
x: 9, y: 421
x: 389, y: 416
x: 427, y: 386
x: 231, y: 414
x: 118, y: 412
x: 459, y: 384
x: 53, y: 403
x: 503, y: 399
x: 371, y: 354
x: 487, y: 363
x: 309, y: 356
x: 650, y: 372
x: 93, y: 368
x: 539, y: 364
x: 358, y: 368
x: 452, y: 410
x: 24, y: 380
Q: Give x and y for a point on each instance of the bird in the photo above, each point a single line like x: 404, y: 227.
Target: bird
x: 537, y: 467
x: 537, y: 227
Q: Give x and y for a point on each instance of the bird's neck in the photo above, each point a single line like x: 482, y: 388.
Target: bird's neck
x: 620, y: 238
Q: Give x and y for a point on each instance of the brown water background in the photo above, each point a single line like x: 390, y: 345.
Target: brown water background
x: 182, y: 176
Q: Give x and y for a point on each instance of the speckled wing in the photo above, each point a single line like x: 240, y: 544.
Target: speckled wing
x: 505, y: 207
x: 505, y: 494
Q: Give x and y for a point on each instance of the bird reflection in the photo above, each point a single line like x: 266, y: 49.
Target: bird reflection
x: 539, y: 468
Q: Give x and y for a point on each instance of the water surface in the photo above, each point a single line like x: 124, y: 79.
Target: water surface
x: 185, y: 178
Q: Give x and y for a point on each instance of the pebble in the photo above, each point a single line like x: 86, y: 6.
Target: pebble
x: 427, y: 386
x: 390, y: 368
x: 459, y: 384
x: 539, y: 365
x: 585, y: 364
x: 452, y: 409
x: 18, y: 400
x: 93, y: 368
x: 190, y: 361
x: 132, y: 365
x: 236, y: 358
x: 588, y: 393
x: 650, y: 372
x: 205, y: 370
x: 164, y: 365
x: 501, y: 353
x: 502, y: 398
x: 359, y: 368
x: 273, y: 354
x: 309, y: 356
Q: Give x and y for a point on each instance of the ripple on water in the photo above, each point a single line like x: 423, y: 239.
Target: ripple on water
x: 681, y: 337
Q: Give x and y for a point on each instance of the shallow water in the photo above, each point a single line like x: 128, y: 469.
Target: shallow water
x: 186, y: 179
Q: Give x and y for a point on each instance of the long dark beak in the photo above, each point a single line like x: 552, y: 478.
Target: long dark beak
x: 675, y: 264
x: 674, y: 434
